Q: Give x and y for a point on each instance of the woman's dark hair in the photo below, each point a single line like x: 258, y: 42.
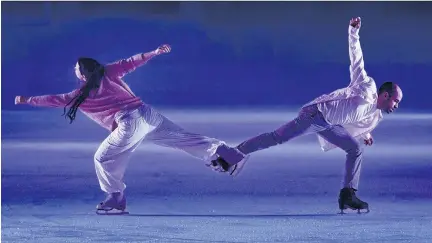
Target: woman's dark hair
x: 93, y: 71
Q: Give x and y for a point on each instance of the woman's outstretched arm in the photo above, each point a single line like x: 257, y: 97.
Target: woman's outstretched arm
x: 53, y: 101
x: 124, y: 66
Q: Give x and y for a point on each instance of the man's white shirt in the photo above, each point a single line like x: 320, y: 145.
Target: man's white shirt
x: 353, y: 107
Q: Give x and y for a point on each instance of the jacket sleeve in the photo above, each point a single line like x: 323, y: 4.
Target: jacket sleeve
x: 358, y: 74
x: 58, y: 100
x: 125, y: 66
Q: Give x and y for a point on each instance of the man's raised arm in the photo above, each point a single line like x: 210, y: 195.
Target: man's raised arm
x: 357, y: 71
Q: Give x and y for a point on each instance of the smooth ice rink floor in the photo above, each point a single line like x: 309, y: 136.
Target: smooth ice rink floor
x: 285, y: 194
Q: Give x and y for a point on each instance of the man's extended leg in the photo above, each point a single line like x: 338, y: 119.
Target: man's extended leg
x: 309, y: 120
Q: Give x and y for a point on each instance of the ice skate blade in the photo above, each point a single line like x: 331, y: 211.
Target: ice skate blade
x: 358, y: 210
x: 111, y: 212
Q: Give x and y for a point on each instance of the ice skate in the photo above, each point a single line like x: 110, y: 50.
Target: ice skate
x: 114, y: 204
x: 215, y: 166
x: 349, y: 200
x: 234, y: 169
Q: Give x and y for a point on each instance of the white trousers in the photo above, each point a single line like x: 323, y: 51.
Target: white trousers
x: 145, y: 123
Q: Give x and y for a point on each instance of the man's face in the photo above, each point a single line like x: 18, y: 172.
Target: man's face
x: 391, y: 102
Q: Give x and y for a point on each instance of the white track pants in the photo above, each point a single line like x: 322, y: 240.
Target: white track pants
x: 145, y: 123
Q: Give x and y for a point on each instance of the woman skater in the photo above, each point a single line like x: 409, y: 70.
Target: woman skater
x: 106, y: 99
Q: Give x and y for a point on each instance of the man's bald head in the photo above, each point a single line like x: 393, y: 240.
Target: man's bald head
x: 389, y: 97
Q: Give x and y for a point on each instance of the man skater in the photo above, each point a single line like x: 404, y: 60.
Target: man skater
x: 340, y: 119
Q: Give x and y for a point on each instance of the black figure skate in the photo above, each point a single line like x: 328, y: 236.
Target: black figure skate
x: 223, y: 166
x: 349, y: 200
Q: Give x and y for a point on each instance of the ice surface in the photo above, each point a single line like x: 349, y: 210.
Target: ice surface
x: 285, y: 194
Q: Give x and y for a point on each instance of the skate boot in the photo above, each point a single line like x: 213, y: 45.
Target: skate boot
x: 348, y: 199
x: 215, y: 166
x: 114, y: 203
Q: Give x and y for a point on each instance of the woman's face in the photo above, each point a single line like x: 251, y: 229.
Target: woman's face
x: 78, y: 72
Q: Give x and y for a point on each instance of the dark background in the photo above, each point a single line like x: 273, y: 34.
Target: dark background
x: 254, y: 54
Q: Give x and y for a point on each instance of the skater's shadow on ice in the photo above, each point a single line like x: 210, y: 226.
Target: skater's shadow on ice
x: 233, y: 215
